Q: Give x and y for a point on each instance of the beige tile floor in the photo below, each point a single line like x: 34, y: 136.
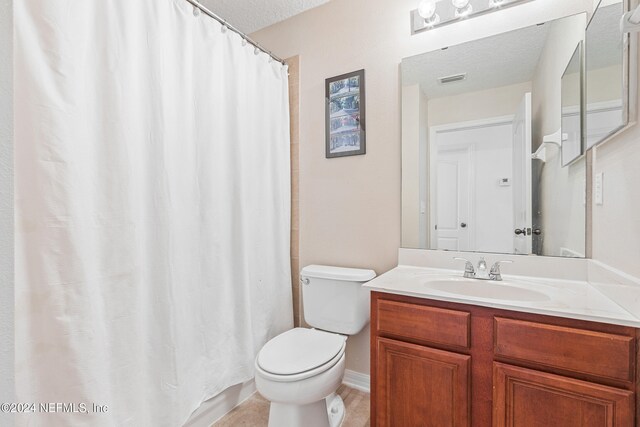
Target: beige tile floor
x: 254, y: 412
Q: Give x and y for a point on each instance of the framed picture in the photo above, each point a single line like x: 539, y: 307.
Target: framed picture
x: 345, y: 128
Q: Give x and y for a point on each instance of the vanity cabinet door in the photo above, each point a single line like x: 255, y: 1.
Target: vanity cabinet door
x: 421, y: 386
x: 527, y: 398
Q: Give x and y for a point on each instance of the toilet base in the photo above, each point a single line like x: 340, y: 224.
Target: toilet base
x: 327, y: 412
x: 310, y: 415
x: 335, y: 410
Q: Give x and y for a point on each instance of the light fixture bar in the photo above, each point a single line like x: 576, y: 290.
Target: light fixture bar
x: 419, y: 24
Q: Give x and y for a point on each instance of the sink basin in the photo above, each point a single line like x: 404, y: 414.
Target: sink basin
x: 503, y: 290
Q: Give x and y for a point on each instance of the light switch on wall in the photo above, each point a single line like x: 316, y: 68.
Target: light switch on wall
x: 598, y: 188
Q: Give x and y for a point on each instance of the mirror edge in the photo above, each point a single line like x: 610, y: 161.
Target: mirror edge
x: 629, y: 79
x: 580, y: 51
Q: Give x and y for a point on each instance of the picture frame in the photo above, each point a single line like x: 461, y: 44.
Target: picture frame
x: 345, y: 121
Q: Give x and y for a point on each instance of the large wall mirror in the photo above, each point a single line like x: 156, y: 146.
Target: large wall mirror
x: 493, y: 143
x: 472, y: 115
x: 495, y: 131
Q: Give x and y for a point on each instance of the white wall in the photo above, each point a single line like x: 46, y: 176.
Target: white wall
x: 423, y: 228
x: 347, y: 35
x: 561, y: 41
x: 411, y: 175
x: 483, y: 104
x: 415, y: 140
x: 6, y: 208
x: 604, y: 84
x: 616, y: 224
x: 562, y: 209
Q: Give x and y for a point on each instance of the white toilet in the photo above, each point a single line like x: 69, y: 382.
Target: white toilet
x: 299, y: 370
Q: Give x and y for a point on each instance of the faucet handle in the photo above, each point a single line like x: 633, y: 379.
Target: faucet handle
x: 469, y: 271
x: 495, y: 269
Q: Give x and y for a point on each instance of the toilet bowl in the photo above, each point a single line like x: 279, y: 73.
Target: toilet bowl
x: 300, y: 370
x: 297, y: 372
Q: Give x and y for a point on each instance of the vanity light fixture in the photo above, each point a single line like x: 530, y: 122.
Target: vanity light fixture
x: 427, y: 11
x: 435, y: 13
x: 463, y: 8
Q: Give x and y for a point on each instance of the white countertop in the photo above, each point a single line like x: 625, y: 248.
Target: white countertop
x: 575, y: 299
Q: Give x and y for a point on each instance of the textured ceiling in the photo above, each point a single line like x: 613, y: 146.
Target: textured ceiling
x: 604, y: 37
x: 252, y: 15
x: 500, y: 60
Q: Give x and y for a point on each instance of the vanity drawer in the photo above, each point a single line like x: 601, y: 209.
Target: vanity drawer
x: 581, y: 351
x: 423, y: 323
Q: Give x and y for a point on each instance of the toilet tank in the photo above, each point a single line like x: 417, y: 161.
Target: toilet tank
x: 334, y: 299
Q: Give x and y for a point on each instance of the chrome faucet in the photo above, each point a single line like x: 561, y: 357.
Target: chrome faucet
x: 494, y: 274
x: 480, y: 272
x: 469, y: 271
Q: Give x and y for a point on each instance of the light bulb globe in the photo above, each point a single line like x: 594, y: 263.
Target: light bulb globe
x: 427, y: 8
x: 460, y: 4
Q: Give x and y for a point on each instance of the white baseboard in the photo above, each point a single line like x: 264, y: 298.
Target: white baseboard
x: 217, y: 407
x: 357, y: 380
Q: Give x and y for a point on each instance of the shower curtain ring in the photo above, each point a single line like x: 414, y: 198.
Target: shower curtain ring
x: 196, y: 11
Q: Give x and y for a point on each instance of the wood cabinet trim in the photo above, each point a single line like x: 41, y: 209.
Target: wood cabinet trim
x: 457, y: 364
x: 432, y: 325
x: 481, y: 350
x: 580, y: 351
x: 618, y: 405
x: 637, y: 379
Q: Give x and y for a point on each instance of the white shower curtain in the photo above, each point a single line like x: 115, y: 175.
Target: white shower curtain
x: 152, y: 186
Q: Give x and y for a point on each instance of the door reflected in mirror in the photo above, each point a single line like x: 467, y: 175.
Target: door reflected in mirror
x: 482, y: 183
x: 472, y: 115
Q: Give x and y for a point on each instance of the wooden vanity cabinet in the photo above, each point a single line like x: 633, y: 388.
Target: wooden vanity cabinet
x: 438, y: 364
x: 526, y: 397
x: 414, y: 380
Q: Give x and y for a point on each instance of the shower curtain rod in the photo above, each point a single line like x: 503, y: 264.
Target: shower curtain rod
x: 207, y: 12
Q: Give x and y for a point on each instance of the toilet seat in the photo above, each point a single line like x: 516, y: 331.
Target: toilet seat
x: 300, y: 353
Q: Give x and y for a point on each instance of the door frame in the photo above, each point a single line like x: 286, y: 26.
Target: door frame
x: 436, y: 130
x: 524, y: 165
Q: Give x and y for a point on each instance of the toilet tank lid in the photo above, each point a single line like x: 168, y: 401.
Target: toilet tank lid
x: 338, y: 273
